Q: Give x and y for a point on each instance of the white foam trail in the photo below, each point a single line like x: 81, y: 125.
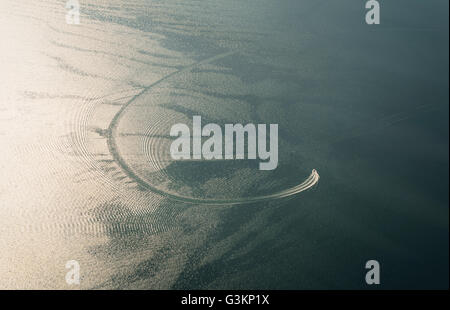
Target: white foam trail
x: 115, y: 152
x: 309, y: 182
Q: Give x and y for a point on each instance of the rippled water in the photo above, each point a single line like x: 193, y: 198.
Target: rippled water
x: 85, y: 116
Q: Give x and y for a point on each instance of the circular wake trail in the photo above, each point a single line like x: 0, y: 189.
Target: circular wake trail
x: 312, y: 180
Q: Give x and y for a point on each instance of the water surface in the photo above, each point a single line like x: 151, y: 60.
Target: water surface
x: 366, y: 106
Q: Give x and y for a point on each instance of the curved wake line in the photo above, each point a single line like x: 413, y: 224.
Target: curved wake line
x: 312, y: 180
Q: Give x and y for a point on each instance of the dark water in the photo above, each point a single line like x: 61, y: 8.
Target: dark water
x: 366, y: 106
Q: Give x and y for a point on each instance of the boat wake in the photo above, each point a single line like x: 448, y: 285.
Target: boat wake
x: 111, y: 134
